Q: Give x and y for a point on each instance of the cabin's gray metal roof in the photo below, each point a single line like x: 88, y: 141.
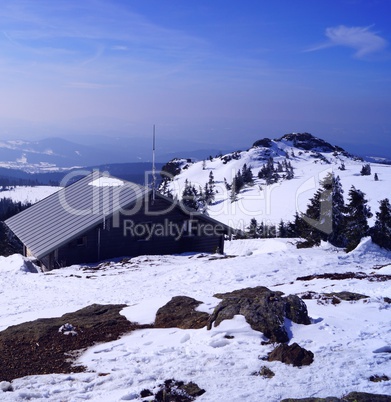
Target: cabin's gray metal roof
x: 70, y: 212
x: 66, y: 214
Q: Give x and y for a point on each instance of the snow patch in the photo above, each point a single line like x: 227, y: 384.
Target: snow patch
x: 106, y: 182
x: 16, y: 263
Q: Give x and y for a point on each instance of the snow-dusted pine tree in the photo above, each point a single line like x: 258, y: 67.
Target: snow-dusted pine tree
x: 189, y: 196
x: 381, y: 232
x: 324, y: 218
x: 366, y: 170
x: 337, y: 236
x: 357, y: 214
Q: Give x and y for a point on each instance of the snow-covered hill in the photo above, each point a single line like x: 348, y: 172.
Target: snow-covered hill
x: 28, y: 194
x: 311, y: 158
x: 351, y: 340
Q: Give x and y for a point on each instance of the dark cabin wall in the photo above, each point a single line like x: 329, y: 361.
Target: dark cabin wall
x: 110, y: 240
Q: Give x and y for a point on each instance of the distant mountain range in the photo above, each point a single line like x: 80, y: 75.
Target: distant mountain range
x: 47, y: 161
x: 55, y: 153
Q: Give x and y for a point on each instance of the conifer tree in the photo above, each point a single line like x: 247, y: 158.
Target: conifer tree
x: 282, y: 229
x: 189, y: 196
x: 294, y: 229
x: 333, y: 184
x: 381, y: 232
x: 324, y: 218
x: 237, y: 183
x: 247, y: 174
x: 366, y: 170
x: 311, y: 221
x: 357, y: 214
x: 227, y: 185
x: 253, y: 228
x: 208, y: 194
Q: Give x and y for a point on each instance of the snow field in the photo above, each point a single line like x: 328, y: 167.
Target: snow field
x: 28, y: 194
x: 350, y: 340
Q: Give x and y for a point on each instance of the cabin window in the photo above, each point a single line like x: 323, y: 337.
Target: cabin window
x: 81, y: 241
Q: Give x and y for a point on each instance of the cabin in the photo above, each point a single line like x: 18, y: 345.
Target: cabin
x: 101, y: 217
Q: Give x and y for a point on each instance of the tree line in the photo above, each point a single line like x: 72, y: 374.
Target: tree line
x: 328, y: 218
x: 9, y: 244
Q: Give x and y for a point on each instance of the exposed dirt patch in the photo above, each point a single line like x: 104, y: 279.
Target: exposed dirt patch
x: 333, y: 297
x: 51, y: 345
x: 346, y: 275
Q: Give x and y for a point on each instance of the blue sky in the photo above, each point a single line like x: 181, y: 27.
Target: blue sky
x: 223, y: 72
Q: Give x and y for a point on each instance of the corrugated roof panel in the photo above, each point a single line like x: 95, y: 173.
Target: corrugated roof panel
x: 71, y: 211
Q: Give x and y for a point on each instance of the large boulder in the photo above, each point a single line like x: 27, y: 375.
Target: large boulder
x: 180, y: 312
x: 365, y: 397
x: 49, y: 345
x: 263, y: 309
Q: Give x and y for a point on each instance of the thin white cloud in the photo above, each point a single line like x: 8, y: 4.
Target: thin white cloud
x: 88, y: 85
x: 361, y: 39
x: 119, y: 47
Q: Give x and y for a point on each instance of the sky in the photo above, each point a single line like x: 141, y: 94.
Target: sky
x: 223, y: 73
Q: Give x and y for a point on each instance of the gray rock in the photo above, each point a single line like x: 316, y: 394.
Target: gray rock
x: 292, y: 354
x: 180, y: 312
x: 263, y: 309
x: 365, y: 397
x: 347, y: 296
x: 328, y: 399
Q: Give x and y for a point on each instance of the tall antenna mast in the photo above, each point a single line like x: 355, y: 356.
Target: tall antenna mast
x: 153, y: 166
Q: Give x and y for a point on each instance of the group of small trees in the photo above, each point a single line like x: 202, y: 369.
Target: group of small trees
x: 8, y: 208
x: 199, y: 199
x: 261, y: 230
x: 328, y: 218
x: 242, y: 178
x: 272, y: 172
x: 366, y: 171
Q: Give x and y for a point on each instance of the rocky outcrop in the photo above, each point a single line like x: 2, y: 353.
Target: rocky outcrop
x: 174, y: 391
x: 264, y: 142
x: 49, y: 345
x: 335, y: 276
x: 351, y: 397
x: 292, y: 354
x: 180, y: 312
x: 308, y: 142
x: 328, y: 399
x: 333, y: 297
x: 263, y: 309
